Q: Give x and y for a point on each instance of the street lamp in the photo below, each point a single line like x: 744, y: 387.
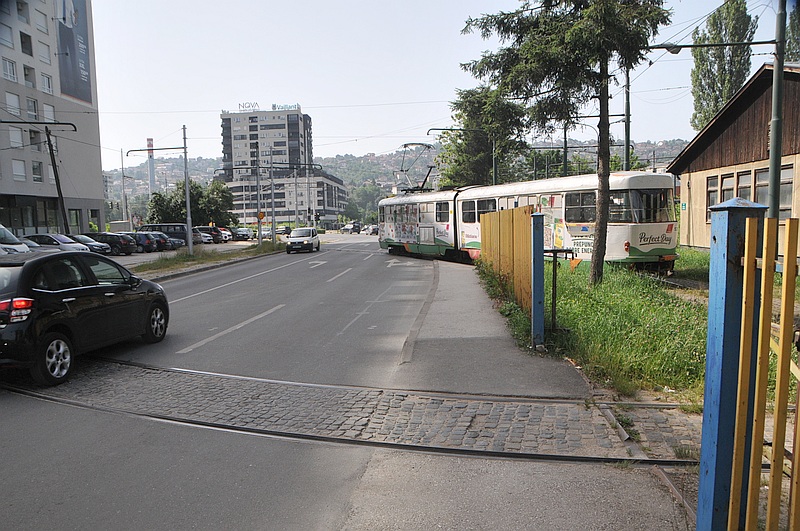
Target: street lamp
x: 494, y: 145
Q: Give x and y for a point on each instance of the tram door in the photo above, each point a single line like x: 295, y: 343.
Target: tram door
x: 427, y: 231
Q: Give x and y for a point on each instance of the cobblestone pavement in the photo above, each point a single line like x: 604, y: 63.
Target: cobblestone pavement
x: 527, y: 426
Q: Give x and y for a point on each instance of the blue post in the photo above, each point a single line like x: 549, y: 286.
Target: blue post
x: 725, y: 293
x: 537, y: 279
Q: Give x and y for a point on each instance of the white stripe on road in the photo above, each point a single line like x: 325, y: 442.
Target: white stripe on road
x: 340, y: 274
x: 241, y: 279
x: 229, y: 330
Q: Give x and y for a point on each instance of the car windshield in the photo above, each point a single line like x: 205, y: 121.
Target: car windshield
x: 6, y: 236
x: 81, y: 238
x: 300, y: 233
x: 61, y: 238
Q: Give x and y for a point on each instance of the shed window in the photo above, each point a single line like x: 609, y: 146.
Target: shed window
x: 712, y: 194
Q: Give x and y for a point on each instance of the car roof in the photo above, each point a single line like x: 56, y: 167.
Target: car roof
x: 20, y: 259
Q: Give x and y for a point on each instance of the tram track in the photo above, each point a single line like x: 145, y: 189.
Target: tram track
x: 80, y: 393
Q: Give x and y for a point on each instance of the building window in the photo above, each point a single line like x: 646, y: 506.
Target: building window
x: 12, y: 104
x: 727, y: 187
x: 44, y: 52
x: 9, y: 70
x: 6, y: 36
x: 40, y: 19
x: 35, y: 140
x: 47, y: 84
x: 33, y: 109
x: 744, y: 185
x: 18, y: 168
x: 30, y: 76
x: 22, y: 11
x: 36, y: 171
x: 49, y: 112
x: 787, y: 189
x: 712, y: 194
x: 26, y: 43
x: 15, y: 137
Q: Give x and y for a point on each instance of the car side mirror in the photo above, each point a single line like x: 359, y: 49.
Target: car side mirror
x: 134, y: 281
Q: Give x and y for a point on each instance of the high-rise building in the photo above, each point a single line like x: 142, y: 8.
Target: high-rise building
x: 48, y: 80
x: 276, y: 144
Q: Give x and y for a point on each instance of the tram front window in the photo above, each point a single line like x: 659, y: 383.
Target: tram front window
x: 641, y: 206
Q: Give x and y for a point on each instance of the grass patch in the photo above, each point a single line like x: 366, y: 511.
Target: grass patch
x: 628, y: 333
x: 181, y: 258
x: 692, y: 264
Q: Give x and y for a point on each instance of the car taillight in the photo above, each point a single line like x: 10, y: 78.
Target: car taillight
x: 18, y: 309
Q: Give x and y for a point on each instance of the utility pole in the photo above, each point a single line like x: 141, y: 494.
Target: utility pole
x: 188, y: 200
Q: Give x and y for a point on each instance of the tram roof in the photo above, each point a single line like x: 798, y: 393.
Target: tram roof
x: 617, y: 181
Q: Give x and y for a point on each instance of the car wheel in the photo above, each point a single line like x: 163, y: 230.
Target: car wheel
x: 157, y: 321
x: 140, y: 248
x: 115, y: 250
x: 288, y: 251
x: 129, y: 253
x: 53, y: 359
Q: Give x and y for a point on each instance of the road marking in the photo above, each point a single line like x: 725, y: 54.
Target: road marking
x: 267, y: 271
x: 317, y: 263
x: 340, y: 274
x: 369, y: 256
x: 395, y: 262
x: 229, y: 330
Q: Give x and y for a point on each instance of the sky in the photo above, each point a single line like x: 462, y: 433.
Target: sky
x: 373, y: 75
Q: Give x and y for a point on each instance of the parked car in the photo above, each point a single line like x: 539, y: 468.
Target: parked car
x: 119, y: 243
x: 213, y: 231
x: 347, y: 229
x: 176, y: 243
x: 243, y: 233
x: 197, y: 236
x: 93, y: 245
x: 54, y: 306
x: 283, y: 229
x: 33, y: 246
x: 303, y: 239
x: 144, y: 243
x: 173, y: 229
x: 373, y: 230
x: 207, y: 238
x: 57, y: 241
x: 10, y: 243
x: 226, y: 234
x: 161, y: 240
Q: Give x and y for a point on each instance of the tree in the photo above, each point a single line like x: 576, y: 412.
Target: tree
x: 720, y: 71
x: 793, y: 35
x: 216, y: 204
x: 490, y: 129
x: 556, y: 59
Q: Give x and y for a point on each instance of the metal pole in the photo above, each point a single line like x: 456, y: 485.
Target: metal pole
x: 296, y: 213
x: 61, y: 205
x: 258, y: 200
x: 776, y: 124
x: 190, y: 243
x: 272, y: 195
x: 627, y: 158
x: 124, y: 198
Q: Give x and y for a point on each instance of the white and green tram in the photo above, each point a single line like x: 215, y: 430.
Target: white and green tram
x: 642, y: 228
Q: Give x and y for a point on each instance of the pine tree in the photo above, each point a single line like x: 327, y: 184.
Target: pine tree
x: 793, y: 35
x: 720, y: 71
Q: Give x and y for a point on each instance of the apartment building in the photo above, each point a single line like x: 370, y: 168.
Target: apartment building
x: 47, y: 49
x: 268, y: 154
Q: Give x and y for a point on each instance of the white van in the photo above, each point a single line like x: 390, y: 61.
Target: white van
x: 9, y: 243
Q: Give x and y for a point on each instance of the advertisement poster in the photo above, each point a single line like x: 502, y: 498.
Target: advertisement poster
x: 73, y: 49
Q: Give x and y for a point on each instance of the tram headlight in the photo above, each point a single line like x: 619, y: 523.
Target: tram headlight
x: 627, y: 246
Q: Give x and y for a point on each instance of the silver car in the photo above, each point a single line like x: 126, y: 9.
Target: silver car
x: 57, y: 241
x: 303, y: 239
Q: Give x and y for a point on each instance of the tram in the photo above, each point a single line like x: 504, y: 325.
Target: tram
x: 642, y: 229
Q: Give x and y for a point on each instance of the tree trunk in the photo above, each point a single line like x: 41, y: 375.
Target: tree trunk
x: 603, y: 171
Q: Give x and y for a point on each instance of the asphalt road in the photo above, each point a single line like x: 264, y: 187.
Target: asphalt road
x: 341, y: 316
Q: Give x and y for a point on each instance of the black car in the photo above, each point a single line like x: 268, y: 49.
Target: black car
x: 120, y: 243
x: 54, y: 306
x: 144, y: 243
x: 161, y: 240
x: 93, y: 245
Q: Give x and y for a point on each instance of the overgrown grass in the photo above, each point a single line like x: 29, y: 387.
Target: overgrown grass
x: 181, y: 258
x: 628, y: 333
